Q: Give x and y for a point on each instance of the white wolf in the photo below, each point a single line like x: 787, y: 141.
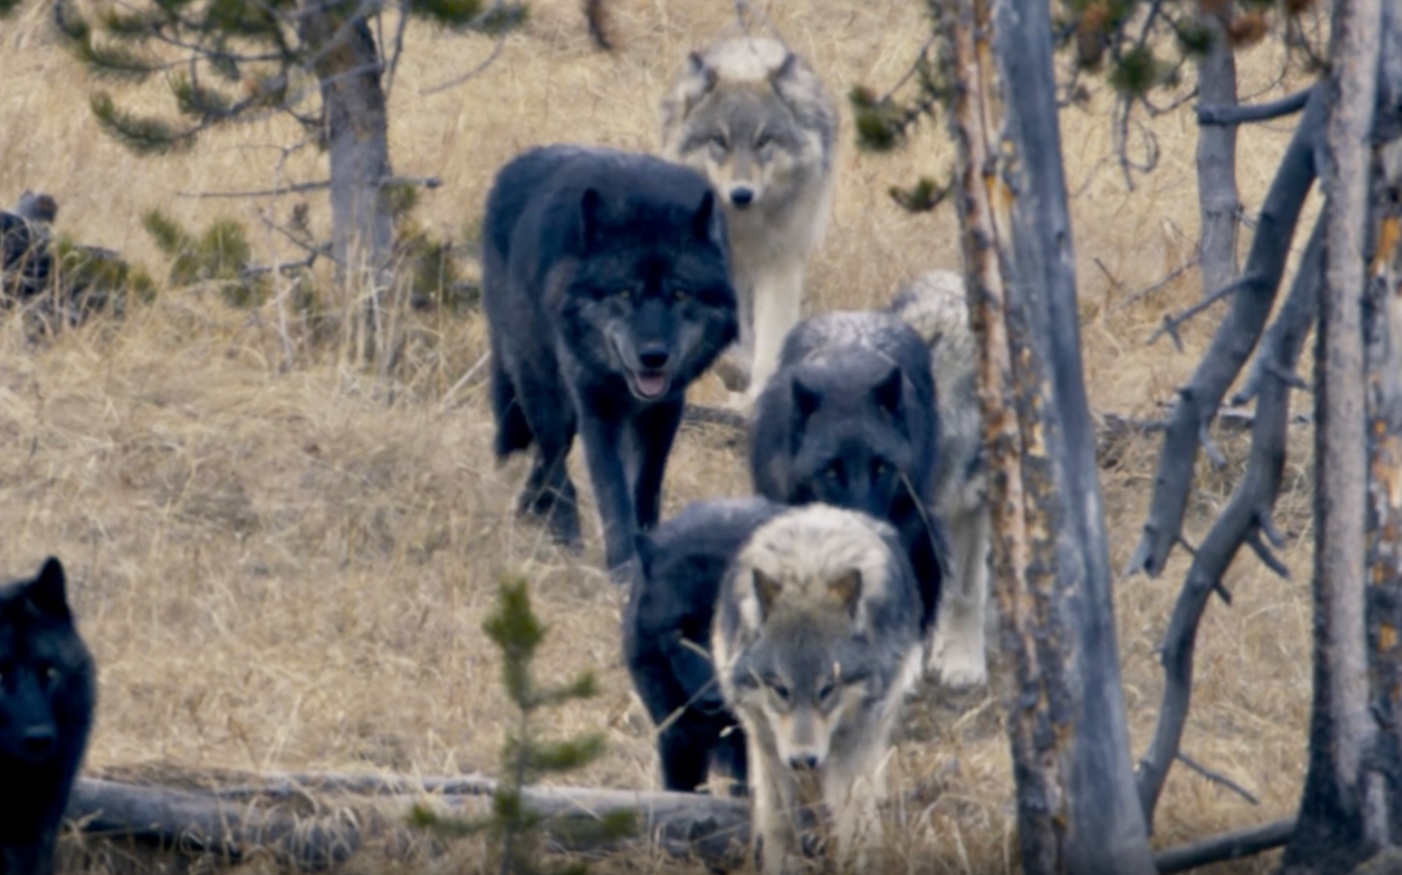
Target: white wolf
x: 815, y: 640
x: 757, y: 121
x: 935, y: 305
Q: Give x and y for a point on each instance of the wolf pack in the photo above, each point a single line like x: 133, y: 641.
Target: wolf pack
x: 774, y: 638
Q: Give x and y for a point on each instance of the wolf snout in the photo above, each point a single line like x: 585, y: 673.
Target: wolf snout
x: 805, y: 761
x: 654, y: 357
x: 742, y: 196
x: 37, y: 743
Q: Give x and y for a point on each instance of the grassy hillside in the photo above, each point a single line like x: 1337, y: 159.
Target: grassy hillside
x: 287, y: 567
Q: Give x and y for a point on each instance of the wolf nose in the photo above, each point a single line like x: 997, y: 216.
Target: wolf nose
x: 804, y: 761
x: 653, y: 358
x: 742, y: 196
x: 38, y: 742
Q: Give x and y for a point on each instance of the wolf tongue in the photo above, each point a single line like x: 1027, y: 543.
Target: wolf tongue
x: 652, y: 385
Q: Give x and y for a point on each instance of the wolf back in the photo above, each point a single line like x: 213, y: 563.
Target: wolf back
x: 47, y: 697
x: 668, y: 619
x: 606, y: 285
x: 814, y: 645
x: 850, y: 419
x: 756, y: 119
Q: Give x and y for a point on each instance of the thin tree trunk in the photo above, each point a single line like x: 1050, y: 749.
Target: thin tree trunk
x: 1218, y: 204
x: 347, y: 61
x: 1078, y: 810
x: 1337, y: 826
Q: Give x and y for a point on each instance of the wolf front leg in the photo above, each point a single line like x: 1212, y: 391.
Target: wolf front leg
x: 773, y: 816
x: 609, y: 454
x: 654, y: 430
x: 957, y: 655
x: 778, y: 305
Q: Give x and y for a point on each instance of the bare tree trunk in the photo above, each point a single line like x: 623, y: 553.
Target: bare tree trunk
x: 1338, y: 826
x: 1218, y: 203
x: 347, y: 61
x: 1078, y: 810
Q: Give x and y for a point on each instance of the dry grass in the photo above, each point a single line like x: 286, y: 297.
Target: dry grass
x: 288, y: 569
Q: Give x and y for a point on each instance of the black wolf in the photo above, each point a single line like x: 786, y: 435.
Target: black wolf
x: 47, y: 697
x: 606, y: 281
x: 850, y: 420
x: 667, y: 637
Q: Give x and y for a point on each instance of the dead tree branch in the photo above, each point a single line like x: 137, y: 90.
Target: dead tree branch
x: 1229, y: 846
x: 1232, y: 344
x: 1247, y: 512
x: 1241, y: 114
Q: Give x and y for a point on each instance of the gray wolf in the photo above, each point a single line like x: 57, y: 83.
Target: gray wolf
x: 815, y: 643
x: 47, y: 697
x: 850, y: 419
x: 756, y: 119
x: 606, y: 283
x: 667, y: 637
x: 935, y: 305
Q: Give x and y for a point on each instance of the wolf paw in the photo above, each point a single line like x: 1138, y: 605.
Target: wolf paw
x: 957, y: 667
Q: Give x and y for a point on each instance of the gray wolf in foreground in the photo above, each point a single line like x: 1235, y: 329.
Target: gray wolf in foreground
x: 606, y: 284
x: 47, y: 697
x: 850, y: 420
x: 667, y: 637
x: 814, y: 645
x: 936, y: 306
x: 755, y: 118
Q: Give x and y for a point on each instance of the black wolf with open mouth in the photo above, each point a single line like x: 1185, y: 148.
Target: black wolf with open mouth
x: 606, y: 281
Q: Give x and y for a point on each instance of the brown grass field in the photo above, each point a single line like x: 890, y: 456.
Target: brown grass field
x: 283, y: 563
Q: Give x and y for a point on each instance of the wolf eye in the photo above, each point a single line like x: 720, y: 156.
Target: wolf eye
x: 680, y: 294
x: 826, y: 691
x: 832, y: 472
x: 52, y: 675
x: 763, y: 140
x: 625, y: 294
x: 718, y: 141
x: 880, y: 468
x: 780, y: 691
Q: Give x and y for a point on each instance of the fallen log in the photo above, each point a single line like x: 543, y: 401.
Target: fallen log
x: 308, y: 826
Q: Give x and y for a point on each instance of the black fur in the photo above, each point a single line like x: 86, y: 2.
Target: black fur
x: 849, y: 419
x: 47, y: 697
x: 606, y: 281
x: 670, y: 609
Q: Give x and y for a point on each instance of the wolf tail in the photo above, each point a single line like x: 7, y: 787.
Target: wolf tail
x: 513, y: 431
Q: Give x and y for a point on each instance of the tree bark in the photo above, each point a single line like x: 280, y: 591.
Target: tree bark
x: 347, y: 61
x: 1077, y: 806
x: 1218, y: 204
x: 1339, y: 824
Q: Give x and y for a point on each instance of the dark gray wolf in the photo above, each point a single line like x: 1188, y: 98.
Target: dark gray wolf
x: 756, y: 119
x: 667, y: 637
x: 47, y: 696
x: 814, y: 644
x: 935, y: 305
x: 606, y: 282
x: 850, y: 419
x: 26, y: 259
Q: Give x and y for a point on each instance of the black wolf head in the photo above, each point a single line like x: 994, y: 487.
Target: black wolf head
x: 650, y: 299
x: 851, y: 439
x: 46, y: 693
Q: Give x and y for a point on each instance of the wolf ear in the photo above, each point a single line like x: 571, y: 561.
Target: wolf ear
x: 767, y: 589
x: 887, y: 393
x: 47, y: 592
x: 784, y: 70
x: 805, y: 400
x: 591, y: 208
x: 708, y: 223
x: 846, y: 588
